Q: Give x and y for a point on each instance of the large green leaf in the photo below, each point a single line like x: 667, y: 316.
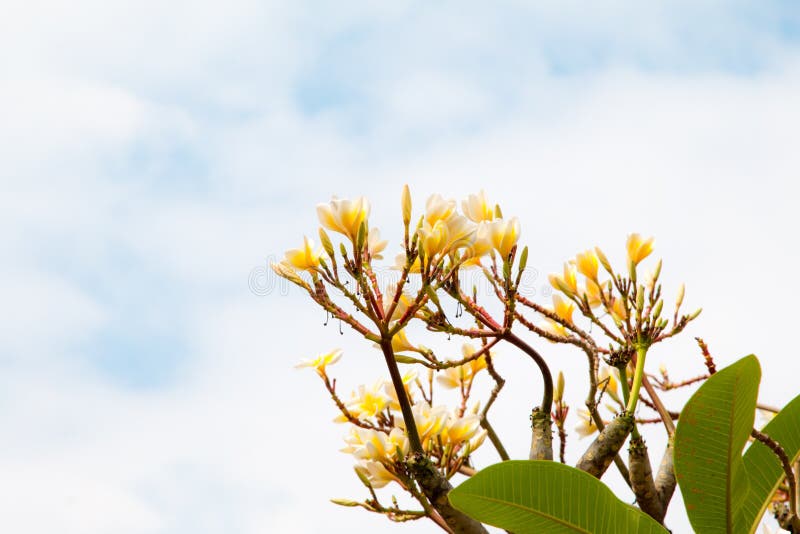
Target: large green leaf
x: 535, y: 496
x: 763, y: 467
x: 711, y: 434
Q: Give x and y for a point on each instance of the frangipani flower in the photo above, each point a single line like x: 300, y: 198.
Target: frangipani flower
x: 639, y: 248
x: 322, y: 360
x: 568, y: 282
x: 375, y: 245
x: 407, y: 378
x: 445, y: 236
x: 400, y: 263
x: 563, y: 308
x: 461, y: 429
x: 585, y: 426
x: 477, y: 208
x: 305, y: 258
x: 403, y: 302
x: 433, y: 238
x: 430, y: 421
x: 453, y: 377
x: 593, y: 294
x: 376, y: 473
x: 504, y: 235
x: 587, y: 264
x: 610, y: 376
x: 400, y: 343
x: 343, y: 215
x: 617, y: 310
x: 438, y: 209
x: 370, y: 444
x: 368, y: 402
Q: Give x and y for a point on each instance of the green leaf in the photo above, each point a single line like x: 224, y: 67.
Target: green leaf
x: 712, y: 431
x: 534, y: 496
x: 764, y: 469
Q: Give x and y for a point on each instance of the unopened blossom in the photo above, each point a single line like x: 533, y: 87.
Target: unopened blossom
x: 477, y: 440
x: 477, y: 208
x: 568, y: 281
x: 305, y: 258
x: 405, y: 204
x: 504, y: 235
x: 322, y: 361
x: 587, y: 264
x: 285, y: 270
x: 375, y: 245
x: 639, y: 248
x: 343, y: 215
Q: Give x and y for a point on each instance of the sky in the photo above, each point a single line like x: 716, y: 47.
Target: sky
x: 155, y: 156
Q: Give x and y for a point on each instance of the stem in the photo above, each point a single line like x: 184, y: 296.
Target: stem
x: 626, y: 395
x: 547, y: 377
x: 638, y: 374
x: 495, y: 439
x: 666, y: 417
x: 415, y: 444
x: 786, y: 464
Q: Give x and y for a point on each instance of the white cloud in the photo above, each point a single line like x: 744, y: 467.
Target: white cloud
x: 159, y: 153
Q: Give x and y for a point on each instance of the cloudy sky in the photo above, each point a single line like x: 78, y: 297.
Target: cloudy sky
x: 154, y: 156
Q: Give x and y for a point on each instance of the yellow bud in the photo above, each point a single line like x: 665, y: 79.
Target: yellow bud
x: 285, y: 271
x: 586, y: 263
x: 657, y: 309
x: 603, y: 260
x: 679, y: 300
x: 558, y: 393
x: 406, y: 205
x: 326, y: 242
x: 345, y: 502
x: 639, y: 248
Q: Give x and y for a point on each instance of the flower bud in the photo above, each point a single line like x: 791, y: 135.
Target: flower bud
x: 679, y: 300
x: 558, y: 393
x: 603, y: 260
x: 325, y: 239
x: 406, y: 205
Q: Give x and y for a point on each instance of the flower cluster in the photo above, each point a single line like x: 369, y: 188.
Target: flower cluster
x: 377, y: 433
x: 612, y: 316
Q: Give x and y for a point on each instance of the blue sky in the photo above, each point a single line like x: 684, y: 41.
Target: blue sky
x: 155, y: 154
